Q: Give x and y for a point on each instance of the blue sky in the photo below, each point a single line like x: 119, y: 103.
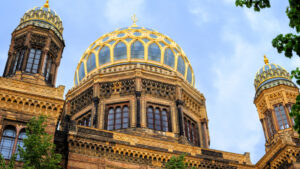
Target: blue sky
x: 224, y: 44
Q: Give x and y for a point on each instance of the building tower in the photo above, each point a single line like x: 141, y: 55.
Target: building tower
x: 134, y: 105
x: 27, y: 88
x: 274, y: 97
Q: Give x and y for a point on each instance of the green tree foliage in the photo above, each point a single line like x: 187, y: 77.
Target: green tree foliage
x: 176, y: 162
x: 39, y: 149
x: 289, y: 43
x: 11, y: 164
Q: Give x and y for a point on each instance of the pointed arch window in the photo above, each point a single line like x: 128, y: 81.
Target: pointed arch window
x: 33, y: 60
x: 181, y: 65
x: 85, y: 119
x: 154, y: 52
x: 7, y: 142
x: 137, y: 50
x: 158, y: 118
x: 120, y: 51
x: 117, y: 116
x: 281, y: 117
x: 169, y: 58
x: 91, y: 62
x: 104, y: 55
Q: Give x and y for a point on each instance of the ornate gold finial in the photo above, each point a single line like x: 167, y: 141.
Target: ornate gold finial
x: 266, y: 60
x: 134, y: 19
x: 46, y: 5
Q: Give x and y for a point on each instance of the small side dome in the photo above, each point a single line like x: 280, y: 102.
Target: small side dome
x: 268, y: 73
x: 43, y: 17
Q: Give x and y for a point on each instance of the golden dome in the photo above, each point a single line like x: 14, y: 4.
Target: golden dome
x: 268, y: 73
x: 134, y: 45
x: 43, y: 17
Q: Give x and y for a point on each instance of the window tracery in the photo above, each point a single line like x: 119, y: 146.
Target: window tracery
x: 117, y: 116
x: 81, y: 101
x: 33, y: 60
x: 281, y: 117
x: 158, y: 89
x: 122, y: 87
x: 85, y: 119
x: 191, y: 130
x: 158, y: 117
x: 48, y: 63
x: 7, y: 142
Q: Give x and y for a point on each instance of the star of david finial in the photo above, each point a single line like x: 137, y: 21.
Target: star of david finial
x: 46, y: 5
x: 134, y: 20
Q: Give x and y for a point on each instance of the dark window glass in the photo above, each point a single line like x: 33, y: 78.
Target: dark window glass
x: 85, y: 120
x: 118, y: 117
x: 81, y: 72
x: 120, y: 51
x: 154, y: 52
x: 104, y: 55
x: 137, y: 50
x: 47, y: 68
x: 270, y: 125
x: 181, y: 65
x: 289, y: 108
x: 191, y: 131
x: 33, y: 61
x: 7, y: 142
x: 91, y: 62
x: 150, y: 118
x: 281, y: 117
x: 169, y: 57
x: 111, y: 119
x: 17, y: 63
x: 158, y: 119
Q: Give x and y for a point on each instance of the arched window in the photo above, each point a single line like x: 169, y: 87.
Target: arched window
x: 189, y: 75
x: 158, y: 119
x: 7, y: 142
x: 33, y: 61
x: 47, y: 68
x: 154, y: 52
x: 20, y: 143
x: 85, y: 119
x: 125, y: 116
x: 111, y: 119
x: 118, y: 117
x: 191, y: 130
x: 81, y: 72
x: 181, y: 65
x: 150, y: 119
x: 104, y: 55
x: 164, y: 118
x: 281, y: 117
x: 169, y: 57
x: 137, y: 50
x: 120, y: 51
x: 91, y: 62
